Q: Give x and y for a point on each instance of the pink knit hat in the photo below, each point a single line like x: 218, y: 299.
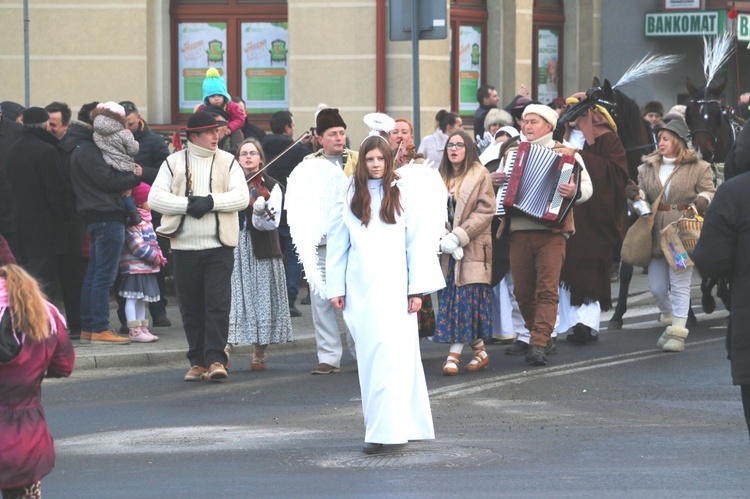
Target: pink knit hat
x: 140, y: 193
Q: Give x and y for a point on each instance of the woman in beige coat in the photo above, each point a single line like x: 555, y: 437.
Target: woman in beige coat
x: 691, y: 182
x: 465, y: 308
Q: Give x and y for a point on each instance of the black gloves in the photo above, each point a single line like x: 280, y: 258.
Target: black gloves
x: 199, y: 205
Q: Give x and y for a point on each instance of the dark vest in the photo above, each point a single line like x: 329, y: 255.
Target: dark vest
x: 265, y: 242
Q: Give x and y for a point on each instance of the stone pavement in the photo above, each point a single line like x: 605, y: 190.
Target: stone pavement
x: 172, y: 346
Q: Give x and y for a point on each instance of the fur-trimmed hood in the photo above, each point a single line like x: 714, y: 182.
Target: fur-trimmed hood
x: 107, y: 122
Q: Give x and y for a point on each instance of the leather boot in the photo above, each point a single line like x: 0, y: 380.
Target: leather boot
x: 293, y: 311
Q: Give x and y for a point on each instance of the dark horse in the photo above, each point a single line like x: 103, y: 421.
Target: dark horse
x: 638, y: 140
x: 713, y: 135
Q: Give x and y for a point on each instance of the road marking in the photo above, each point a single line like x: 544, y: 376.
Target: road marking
x: 471, y: 387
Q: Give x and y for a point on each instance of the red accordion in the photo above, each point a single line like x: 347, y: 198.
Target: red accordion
x: 534, y: 175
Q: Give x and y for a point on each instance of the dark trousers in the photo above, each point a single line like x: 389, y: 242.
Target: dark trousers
x: 746, y: 404
x: 68, y: 271
x: 292, y: 265
x: 204, y: 290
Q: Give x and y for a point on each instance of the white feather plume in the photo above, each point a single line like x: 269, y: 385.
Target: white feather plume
x: 716, y: 51
x: 312, y: 189
x: 647, y: 66
x: 379, y: 122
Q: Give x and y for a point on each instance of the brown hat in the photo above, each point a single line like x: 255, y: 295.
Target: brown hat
x: 328, y: 118
x: 653, y: 106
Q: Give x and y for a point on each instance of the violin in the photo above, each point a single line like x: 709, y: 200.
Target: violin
x: 258, y: 189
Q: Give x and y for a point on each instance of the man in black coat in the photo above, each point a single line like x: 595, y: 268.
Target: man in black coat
x: 151, y: 154
x: 722, y: 252
x: 43, y: 210
x: 487, y: 99
x: 10, y: 132
x: 282, y: 126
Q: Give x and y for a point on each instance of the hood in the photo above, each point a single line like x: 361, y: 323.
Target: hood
x: 143, y: 130
x: 77, y: 133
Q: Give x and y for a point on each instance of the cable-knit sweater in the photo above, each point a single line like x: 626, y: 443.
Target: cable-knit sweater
x: 211, y: 172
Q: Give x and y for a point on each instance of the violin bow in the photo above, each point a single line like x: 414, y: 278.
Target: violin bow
x: 302, y: 137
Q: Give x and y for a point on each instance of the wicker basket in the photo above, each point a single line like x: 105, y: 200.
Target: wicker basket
x: 689, y: 229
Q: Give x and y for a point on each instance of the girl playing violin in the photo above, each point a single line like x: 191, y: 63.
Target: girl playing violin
x: 260, y: 310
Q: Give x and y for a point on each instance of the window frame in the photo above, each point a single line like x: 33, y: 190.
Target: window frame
x: 546, y: 18
x: 466, y: 13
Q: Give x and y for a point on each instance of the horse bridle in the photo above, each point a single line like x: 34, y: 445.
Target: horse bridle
x: 611, y: 108
x: 704, y: 103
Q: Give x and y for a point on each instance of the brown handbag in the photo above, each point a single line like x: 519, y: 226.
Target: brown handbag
x: 636, y: 247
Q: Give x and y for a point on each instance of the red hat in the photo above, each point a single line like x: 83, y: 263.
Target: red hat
x: 140, y: 193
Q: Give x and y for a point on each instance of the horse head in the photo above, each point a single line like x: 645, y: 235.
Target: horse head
x: 705, y: 119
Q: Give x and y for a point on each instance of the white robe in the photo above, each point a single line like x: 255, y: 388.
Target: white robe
x: 376, y: 268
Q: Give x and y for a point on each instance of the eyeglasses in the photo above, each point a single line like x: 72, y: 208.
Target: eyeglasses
x: 250, y: 153
x: 457, y: 145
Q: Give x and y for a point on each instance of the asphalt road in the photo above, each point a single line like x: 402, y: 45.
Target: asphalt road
x: 614, y: 419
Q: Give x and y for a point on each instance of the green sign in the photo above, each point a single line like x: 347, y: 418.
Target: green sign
x: 743, y: 28
x: 695, y: 23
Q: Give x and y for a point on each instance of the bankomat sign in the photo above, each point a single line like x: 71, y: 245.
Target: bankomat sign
x: 696, y: 23
x: 743, y: 27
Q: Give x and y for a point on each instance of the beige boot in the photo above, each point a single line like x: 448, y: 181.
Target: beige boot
x: 666, y: 318
x: 665, y: 334
x: 676, y: 334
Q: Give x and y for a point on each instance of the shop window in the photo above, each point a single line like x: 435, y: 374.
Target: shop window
x: 468, y: 62
x: 547, y: 50
x: 247, y: 41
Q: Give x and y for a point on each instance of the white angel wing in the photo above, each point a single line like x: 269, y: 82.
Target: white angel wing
x: 423, y: 189
x: 312, y: 189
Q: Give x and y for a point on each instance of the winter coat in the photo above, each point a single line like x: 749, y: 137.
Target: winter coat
x: 738, y: 157
x: 273, y: 145
x: 41, y: 201
x: 97, y: 185
x: 117, y: 143
x: 10, y: 132
x: 152, y: 151
x: 26, y: 450
x: 475, y: 207
x: 693, y: 178
x: 722, y: 251
x: 141, y: 253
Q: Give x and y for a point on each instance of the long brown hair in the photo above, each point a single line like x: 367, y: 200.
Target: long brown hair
x: 446, y: 168
x: 360, y: 204
x: 27, y: 303
x: 683, y: 154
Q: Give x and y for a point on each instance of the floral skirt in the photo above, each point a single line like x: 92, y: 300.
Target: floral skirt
x: 464, y: 313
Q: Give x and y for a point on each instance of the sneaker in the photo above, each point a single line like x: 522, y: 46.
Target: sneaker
x: 109, y: 336
x: 535, y: 356
x: 216, y: 371
x: 324, y: 368
x: 142, y: 335
x: 196, y: 373
x: 517, y: 348
x: 85, y: 337
x: 161, y: 321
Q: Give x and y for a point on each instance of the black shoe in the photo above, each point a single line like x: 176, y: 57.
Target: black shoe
x: 536, y: 357
x: 305, y: 300
x: 581, y: 335
x: 551, y: 348
x: 691, y: 319
x: 370, y: 448
x: 124, y: 330
x: 74, y: 335
x: 160, y: 321
x: 517, y: 348
x: 293, y: 311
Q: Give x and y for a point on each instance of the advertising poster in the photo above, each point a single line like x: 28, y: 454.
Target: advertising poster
x: 200, y: 46
x: 547, y: 71
x: 469, y: 67
x: 265, y: 66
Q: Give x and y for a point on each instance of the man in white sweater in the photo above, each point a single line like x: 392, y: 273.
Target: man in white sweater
x: 199, y: 191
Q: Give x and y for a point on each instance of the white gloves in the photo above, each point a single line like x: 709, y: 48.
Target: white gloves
x: 259, y: 206
x: 450, y: 244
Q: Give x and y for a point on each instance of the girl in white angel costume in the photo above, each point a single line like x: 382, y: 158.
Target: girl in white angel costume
x: 383, y: 237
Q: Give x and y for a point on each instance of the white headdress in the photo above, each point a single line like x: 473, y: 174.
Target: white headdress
x: 377, y: 123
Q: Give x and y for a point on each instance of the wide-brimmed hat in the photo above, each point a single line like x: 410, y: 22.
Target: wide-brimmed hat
x: 677, y: 127
x: 200, y: 121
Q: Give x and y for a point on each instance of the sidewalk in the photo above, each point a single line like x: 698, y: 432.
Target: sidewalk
x: 172, y: 346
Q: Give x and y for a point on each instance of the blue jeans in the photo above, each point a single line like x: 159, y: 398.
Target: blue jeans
x: 106, y: 240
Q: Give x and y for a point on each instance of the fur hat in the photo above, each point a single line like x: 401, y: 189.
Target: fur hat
x: 214, y: 84
x: 652, y: 106
x: 328, y: 118
x: 140, y: 193
x: 6, y: 256
x: 547, y: 113
x: 677, y: 127
x: 35, y: 116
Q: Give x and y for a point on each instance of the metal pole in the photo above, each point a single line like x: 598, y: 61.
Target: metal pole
x: 26, y: 87
x: 415, y: 68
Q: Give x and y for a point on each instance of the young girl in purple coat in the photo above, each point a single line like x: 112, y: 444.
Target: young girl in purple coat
x: 140, y: 261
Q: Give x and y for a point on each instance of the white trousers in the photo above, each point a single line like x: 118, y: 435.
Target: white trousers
x: 327, y: 334
x: 670, y: 289
x: 588, y: 314
x: 507, y: 320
